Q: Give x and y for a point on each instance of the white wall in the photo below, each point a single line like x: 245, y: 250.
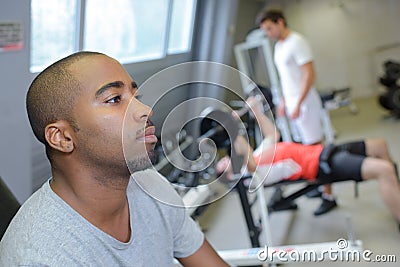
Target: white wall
x: 350, y: 39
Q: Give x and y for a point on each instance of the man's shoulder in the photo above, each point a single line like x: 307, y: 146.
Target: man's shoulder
x: 297, y: 37
x: 36, y: 211
x: 32, y: 224
x: 155, y: 186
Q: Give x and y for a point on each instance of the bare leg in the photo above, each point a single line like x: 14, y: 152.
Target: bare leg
x: 328, y: 189
x: 384, y: 172
x: 377, y: 148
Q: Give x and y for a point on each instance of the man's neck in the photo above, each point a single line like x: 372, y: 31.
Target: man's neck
x: 285, y: 34
x: 104, y: 204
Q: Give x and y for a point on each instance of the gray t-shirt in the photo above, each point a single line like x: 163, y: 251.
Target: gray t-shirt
x: 47, y: 232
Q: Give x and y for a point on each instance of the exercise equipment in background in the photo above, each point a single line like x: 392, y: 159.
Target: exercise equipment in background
x: 390, y: 99
x: 258, y: 228
x: 8, y: 207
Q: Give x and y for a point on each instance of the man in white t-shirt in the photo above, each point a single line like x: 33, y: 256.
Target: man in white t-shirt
x: 301, y: 102
x: 294, y: 62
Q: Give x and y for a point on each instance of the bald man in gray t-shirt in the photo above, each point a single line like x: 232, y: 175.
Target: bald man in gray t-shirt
x: 48, y: 232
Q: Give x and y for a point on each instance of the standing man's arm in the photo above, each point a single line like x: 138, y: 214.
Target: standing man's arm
x: 204, y: 256
x: 307, y: 80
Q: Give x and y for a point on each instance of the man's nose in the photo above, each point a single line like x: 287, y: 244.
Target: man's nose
x: 140, y: 111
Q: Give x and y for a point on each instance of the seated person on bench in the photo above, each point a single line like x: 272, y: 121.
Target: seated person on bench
x: 358, y: 161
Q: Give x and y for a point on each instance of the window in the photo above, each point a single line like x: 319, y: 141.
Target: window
x: 53, y: 31
x: 129, y: 30
x: 181, y: 26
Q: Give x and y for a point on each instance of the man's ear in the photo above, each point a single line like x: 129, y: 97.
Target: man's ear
x: 59, y: 136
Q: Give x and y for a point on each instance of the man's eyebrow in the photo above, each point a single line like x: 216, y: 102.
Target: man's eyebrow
x: 116, y: 84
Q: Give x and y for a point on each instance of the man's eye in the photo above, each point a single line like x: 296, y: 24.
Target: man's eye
x: 115, y: 99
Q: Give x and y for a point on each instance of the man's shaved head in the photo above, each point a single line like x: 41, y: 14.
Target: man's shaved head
x: 52, y: 94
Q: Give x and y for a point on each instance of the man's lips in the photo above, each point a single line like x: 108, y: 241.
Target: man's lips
x: 148, y: 135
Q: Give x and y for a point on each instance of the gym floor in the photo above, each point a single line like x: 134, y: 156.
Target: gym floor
x: 371, y: 222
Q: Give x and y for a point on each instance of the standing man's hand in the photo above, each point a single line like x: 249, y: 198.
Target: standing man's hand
x: 296, y: 113
x: 281, y: 110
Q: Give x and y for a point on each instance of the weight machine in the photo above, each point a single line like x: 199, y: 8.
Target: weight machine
x: 219, y: 125
x: 254, y: 59
x: 390, y: 99
x: 213, y: 126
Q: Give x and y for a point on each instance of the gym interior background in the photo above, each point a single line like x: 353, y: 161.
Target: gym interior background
x: 351, y: 40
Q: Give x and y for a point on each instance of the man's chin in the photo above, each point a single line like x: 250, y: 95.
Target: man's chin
x: 142, y: 163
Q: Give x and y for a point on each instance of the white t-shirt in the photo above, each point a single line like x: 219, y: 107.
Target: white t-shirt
x: 289, y: 55
x: 47, y: 232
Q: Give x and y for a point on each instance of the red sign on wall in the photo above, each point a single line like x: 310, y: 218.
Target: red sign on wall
x: 11, y: 36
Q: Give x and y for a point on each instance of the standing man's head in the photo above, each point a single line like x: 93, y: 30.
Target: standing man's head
x: 274, y: 24
x: 77, y: 108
